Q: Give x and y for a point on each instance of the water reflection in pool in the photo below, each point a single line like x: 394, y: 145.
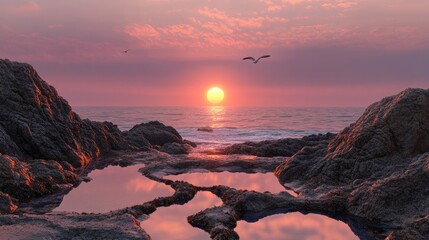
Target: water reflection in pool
x: 113, y: 188
x: 295, y: 226
x: 259, y: 182
x: 171, y: 222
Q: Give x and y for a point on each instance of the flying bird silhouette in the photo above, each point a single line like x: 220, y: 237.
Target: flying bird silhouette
x: 126, y: 51
x: 256, y: 60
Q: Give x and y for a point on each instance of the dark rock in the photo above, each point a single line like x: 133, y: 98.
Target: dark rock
x: 42, y: 140
x: 282, y: 147
x: 379, y: 165
x: 176, y: 148
x: 192, y: 144
x: 6, y: 204
x: 205, y: 129
x: 395, y: 125
x: 71, y: 226
x: 36, y: 123
x: 155, y: 133
x: 23, y: 180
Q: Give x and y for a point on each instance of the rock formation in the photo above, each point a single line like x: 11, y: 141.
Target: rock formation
x: 43, y: 142
x: 379, y: 165
x: 156, y: 134
x: 36, y: 123
x: 205, y: 129
x: 282, y: 147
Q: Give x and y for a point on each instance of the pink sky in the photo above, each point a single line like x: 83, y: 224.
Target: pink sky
x: 324, y: 52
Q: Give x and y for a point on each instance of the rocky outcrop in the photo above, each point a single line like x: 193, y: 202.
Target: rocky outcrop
x: 379, y: 165
x: 36, y: 123
x: 44, y: 144
x: 154, y: 133
x: 282, y: 147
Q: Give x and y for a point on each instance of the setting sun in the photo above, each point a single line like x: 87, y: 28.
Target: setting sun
x: 215, y: 95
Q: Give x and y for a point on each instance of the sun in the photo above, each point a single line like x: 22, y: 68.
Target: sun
x: 215, y: 95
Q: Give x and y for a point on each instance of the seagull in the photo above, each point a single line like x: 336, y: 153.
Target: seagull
x: 256, y: 61
x: 126, y: 51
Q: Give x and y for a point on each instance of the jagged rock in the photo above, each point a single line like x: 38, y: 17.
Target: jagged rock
x: 36, y: 123
x: 25, y: 180
x: 395, y: 125
x: 379, y: 165
x: 282, y: 147
x: 42, y: 140
x: 176, y: 148
x: 6, y: 204
x: 205, y: 129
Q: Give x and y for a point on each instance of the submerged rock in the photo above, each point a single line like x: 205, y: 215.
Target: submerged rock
x: 282, y: 147
x: 205, y: 129
x: 379, y: 165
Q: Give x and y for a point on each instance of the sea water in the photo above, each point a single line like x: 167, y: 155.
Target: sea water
x: 230, y: 124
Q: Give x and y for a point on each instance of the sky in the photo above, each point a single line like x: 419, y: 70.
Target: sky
x: 323, y: 52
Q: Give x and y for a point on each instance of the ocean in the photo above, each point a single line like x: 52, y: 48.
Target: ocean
x: 230, y: 124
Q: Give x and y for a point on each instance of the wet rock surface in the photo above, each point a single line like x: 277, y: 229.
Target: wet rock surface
x: 71, y: 226
x: 282, y: 147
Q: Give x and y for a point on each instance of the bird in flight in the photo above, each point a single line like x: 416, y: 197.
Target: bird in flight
x: 126, y: 51
x: 256, y: 60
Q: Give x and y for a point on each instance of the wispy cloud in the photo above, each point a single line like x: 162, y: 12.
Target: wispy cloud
x: 26, y: 8
x: 340, y: 4
x: 142, y: 31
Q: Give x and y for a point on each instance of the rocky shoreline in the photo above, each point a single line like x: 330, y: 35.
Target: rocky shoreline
x: 373, y: 175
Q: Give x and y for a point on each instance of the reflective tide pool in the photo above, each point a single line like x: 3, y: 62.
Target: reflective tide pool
x: 171, y: 222
x: 259, y: 182
x: 295, y: 226
x: 113, y: 188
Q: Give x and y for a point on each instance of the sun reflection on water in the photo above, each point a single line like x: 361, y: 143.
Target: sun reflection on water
x: 217, y: 116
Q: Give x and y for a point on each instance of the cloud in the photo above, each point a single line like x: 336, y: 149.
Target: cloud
x: 55, y: 26
x: 181, y: 29
x: 26, y: 8
x: 142, y: 31
x: 244, y: 22
x: 340, y: 4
